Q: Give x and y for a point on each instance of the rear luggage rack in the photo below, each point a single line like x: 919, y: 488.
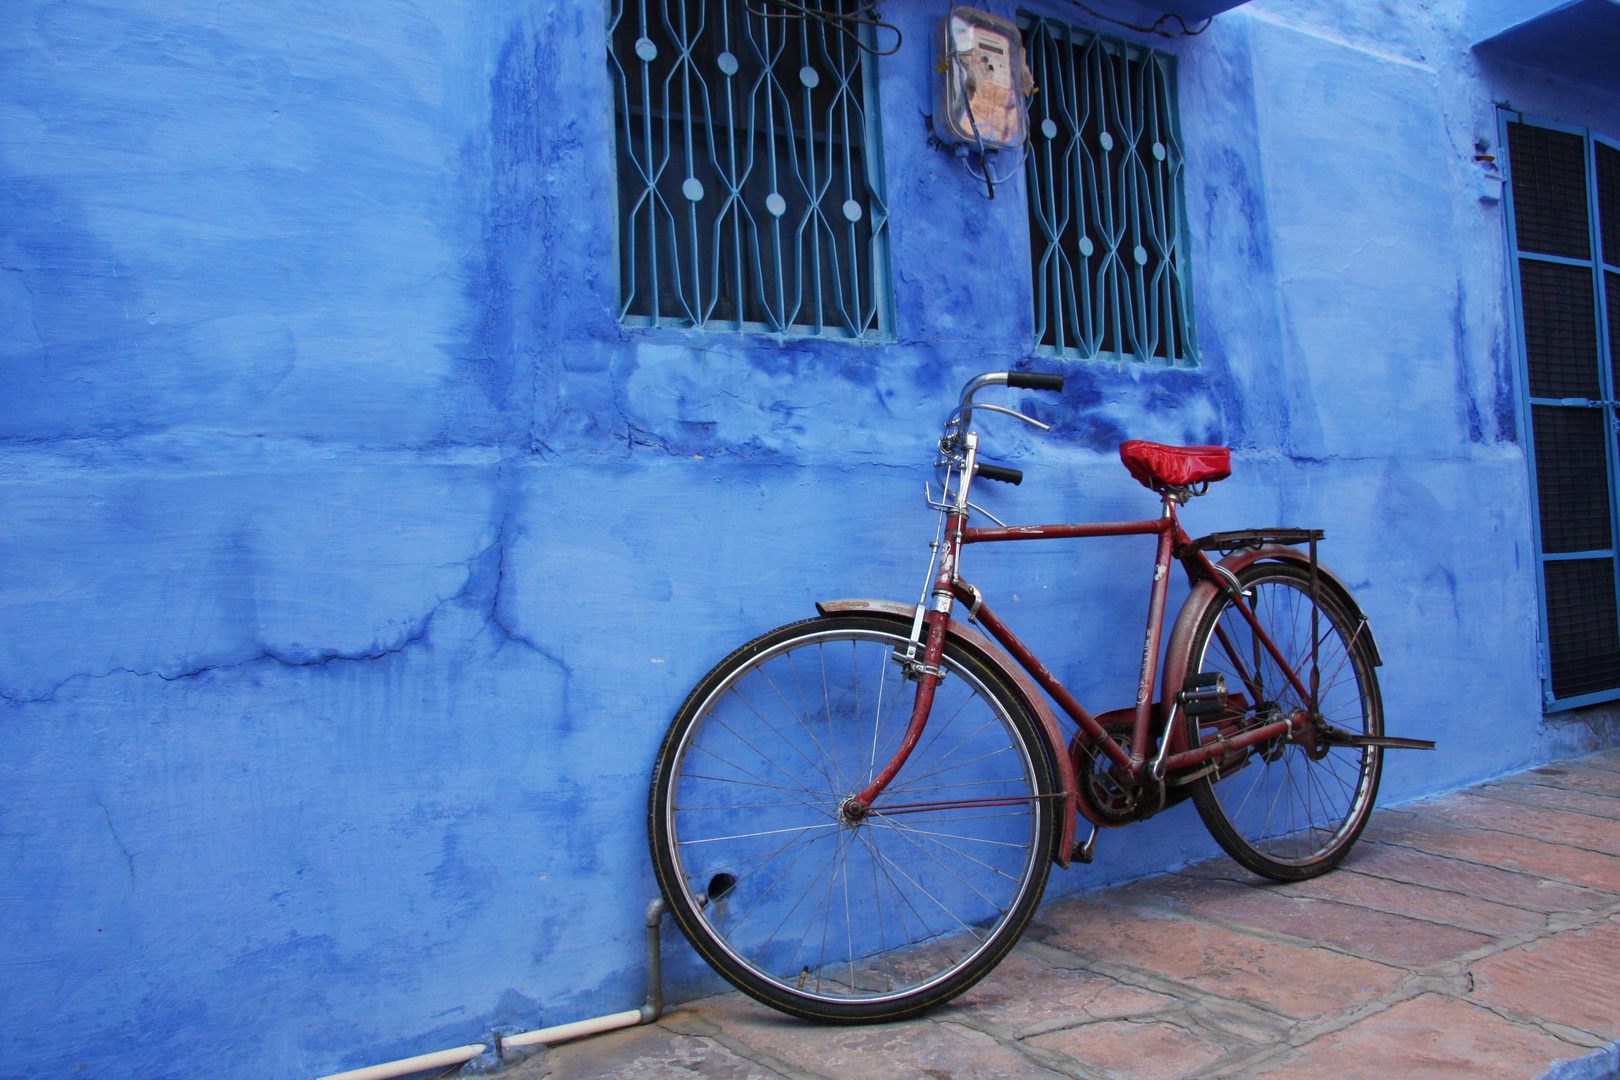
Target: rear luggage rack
x: 1228, y: 542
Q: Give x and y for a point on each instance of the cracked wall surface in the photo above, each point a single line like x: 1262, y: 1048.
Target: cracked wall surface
x: 354, y: 557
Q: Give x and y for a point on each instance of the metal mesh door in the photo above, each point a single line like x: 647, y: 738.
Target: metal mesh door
x: 1565, y: 196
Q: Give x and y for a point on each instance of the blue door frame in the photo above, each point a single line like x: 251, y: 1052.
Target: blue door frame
x: 1595, y: 264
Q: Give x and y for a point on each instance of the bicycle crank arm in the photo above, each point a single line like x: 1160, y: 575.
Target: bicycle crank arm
x: 1332, y: 736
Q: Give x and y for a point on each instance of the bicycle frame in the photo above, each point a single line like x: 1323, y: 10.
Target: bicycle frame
x: 758, y: 810
x: 1171, y: 537
x: 949, y: 588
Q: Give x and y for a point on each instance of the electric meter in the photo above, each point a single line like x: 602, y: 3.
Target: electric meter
x: 983, y: 81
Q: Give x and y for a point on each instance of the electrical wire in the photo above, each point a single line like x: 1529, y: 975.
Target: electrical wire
x: 973, y: 122
x: 836, y: 20
x: 988, y: 177
x: 1185, y: 31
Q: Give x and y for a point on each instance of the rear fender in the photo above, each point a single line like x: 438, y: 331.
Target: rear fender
x: 1015, y: 676
x: 1206, y: 592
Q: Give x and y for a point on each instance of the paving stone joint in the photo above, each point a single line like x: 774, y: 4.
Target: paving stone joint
x: 1472, y: 935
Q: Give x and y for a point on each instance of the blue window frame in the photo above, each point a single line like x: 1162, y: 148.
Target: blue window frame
x: 1564, y: 232
x: 750, y: 173
x: 1108, y: 224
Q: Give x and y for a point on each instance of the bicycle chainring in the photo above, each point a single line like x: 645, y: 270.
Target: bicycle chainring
x: 1105, y: 788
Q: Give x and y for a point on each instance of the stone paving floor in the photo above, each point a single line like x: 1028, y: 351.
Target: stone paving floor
x: 1474, y: 935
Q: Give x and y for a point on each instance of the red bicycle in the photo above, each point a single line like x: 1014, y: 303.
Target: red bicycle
x: 845, y: 850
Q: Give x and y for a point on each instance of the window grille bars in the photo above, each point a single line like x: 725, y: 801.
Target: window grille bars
x: 1107, y: 224
x: 1564, y: 226
x: 749, y: 169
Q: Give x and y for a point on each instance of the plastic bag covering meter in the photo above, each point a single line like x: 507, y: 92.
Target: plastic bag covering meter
x: 983, y: 81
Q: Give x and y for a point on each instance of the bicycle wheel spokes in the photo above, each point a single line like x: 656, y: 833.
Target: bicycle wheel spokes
x: 1281, y: 808
x: 812, y: 909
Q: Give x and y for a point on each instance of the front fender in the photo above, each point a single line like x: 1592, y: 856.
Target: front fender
x: 1029, y: 695
x: 1205, y: 593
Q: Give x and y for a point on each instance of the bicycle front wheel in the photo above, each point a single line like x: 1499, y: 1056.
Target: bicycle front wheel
x: 813, y: 911
x: 1282, y: 809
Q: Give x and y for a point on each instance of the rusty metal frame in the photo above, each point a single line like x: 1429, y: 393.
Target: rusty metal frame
x: 1025, y: 671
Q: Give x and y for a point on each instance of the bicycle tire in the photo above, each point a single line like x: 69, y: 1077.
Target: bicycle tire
x: 812, y: 915
x: 1275, y: 808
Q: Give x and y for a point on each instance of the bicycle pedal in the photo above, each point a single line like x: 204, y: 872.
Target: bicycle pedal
x: 1204, y: 694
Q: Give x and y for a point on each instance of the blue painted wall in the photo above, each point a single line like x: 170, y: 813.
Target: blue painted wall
x: 354, y: 557
x: 1578, y: 39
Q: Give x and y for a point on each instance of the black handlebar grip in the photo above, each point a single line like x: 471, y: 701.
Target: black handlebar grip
x: 999, y: 472
x: 1034, y: 380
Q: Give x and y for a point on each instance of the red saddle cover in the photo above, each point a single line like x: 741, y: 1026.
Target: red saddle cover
x: 1178, y: 466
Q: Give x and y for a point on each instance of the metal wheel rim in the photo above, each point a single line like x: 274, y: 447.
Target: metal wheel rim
x: 1337, y: 672
x: 686, y: 878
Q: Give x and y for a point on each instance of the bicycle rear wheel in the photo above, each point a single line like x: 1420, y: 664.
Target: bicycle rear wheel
x: 813, y: 913
x: 1281, y: 809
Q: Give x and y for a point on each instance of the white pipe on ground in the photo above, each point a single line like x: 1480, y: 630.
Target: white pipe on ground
x: 561, y: 1033
x: 406, y: 1066
x: 578, y: 1029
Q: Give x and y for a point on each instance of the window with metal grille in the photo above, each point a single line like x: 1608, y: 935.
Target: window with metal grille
x: 749, y: 171
x: 1565, y: 229
x: 1107, y: 224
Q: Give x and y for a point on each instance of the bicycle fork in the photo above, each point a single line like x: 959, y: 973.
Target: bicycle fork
x: 933, y: 615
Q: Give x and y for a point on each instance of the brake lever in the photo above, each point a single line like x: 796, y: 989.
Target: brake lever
x: 988, y: 514
x: 1000, y: 409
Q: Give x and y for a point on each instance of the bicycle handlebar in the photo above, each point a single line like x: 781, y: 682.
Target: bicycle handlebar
x: 1035, y: 380
x: 1018, y: 380
x: 956, y: 424
x: 1022, y: 380
x: 998, y: 472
